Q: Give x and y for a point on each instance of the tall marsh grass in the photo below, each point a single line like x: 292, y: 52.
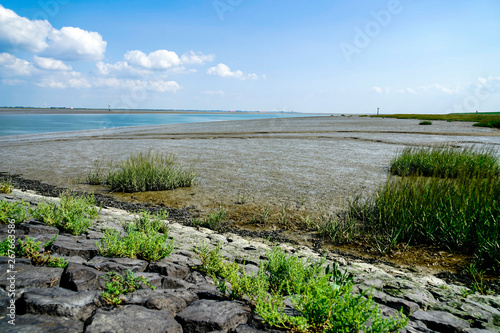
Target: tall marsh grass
x: 457, y: 206
x: 145, y: 171
x: 445, y: 162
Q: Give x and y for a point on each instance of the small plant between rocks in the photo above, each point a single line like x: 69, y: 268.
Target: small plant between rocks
x: 73, y: 214
x: 145, y: 238
x: 5, y: 186
x: 321, y: 296
x: 28, y: 248
x: 117, y: 285
x: 16, y: 210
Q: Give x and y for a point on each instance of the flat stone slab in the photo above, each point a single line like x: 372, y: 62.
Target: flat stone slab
x: 65, y: 246
x: 211, y: 315
x: 119, y: 265
x: 30, y: 276
x: 441, y: 321
x: 60, y: 302
x: 79, y: 277
x: 168, y: 268
x: 31, y: 323
x: 133, y: 319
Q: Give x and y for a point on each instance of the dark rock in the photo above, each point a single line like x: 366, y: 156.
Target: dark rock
x: 79, y: 277
x: 395, y: 303
x: 60, y: 302
x: 184, y: 260
x: 30, y: 276
x: 119, y: 265
x: 169, y: 268
x: 210, y: 315
x: 66, y: 246
x: 196, y: 277
x: 441, y: 321
x: 173, y: 283
x: 133, y: 319
x: 251, y: 269
x: 244, y: 328
x: 153, y: 279
x: 31, y: 323
x: 207, y: 291
x: 33, y: 228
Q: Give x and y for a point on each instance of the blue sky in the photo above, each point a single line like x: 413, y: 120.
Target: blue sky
x: 402, y: 56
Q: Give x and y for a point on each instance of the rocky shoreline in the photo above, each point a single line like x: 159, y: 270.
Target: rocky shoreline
x: 66, y: 300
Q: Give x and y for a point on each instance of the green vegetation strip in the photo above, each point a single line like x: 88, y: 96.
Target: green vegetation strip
x: 322, y: 296
x: 487, y: 119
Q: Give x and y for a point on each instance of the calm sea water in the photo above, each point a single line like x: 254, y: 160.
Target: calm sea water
x: 21, y: 124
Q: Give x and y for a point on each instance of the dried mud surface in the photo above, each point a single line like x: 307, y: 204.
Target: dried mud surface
x: 293, y: 167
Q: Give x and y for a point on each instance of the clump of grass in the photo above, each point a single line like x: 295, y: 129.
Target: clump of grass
x: 215, y: 221
x: 333, y: 228
x: 425, y: 122
x: 490, y: 123
x: 148, y: 171
x: 322, y: 297
x: 15, y: 210
x: 445, y: 162
x: 142, y: 240
x: 461, y: 214
x: 5, y: 186
x: 73, y: 214
x: 96, y: 175
x: 117, y: 285
x: 149, y: 223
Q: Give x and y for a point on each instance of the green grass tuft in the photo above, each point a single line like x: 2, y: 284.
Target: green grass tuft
x: 425, y: 122
x: 148, y: 171
x: 445, y: 162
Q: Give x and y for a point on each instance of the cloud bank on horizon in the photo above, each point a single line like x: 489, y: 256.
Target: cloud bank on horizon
x: 333, y: 56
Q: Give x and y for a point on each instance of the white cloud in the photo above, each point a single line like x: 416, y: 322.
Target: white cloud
x: 120, y: 69
x: 152, y: 85
x: 50, y: 64
x: 64, y: 80
x: 38, y: 36
x: 11, y: 66
x: 196, y: 58
x: 72, y: 43
x: 380, y: 90
x: 214, y: 92
x: 157, y: 60
x: 18, y: 32
x: 224, y: 71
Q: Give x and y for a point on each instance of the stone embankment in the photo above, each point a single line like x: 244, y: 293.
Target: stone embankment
x: 49, y: 299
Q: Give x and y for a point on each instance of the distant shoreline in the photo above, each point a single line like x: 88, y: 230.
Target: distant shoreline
x: 134, y: 111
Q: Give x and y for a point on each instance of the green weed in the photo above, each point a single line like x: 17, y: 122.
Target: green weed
x: 28, y: 248
x: 5, y: 186
x: 117, y: 286
x: 16, y: 210
x: 425, y: 122
x: 322, y: 297
x: 73, y: 214
x: 215, y: 221
x: 142, y: 240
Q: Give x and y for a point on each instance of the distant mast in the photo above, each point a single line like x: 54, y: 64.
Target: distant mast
x: 378, y: 110
x: 109, y: 107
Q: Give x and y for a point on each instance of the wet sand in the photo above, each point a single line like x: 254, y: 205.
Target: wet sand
x: 310, y: 165
x: 306, y: 161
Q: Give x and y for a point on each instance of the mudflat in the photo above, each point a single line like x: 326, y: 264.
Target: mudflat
x: 287, y: 168
x: 302, y: 161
